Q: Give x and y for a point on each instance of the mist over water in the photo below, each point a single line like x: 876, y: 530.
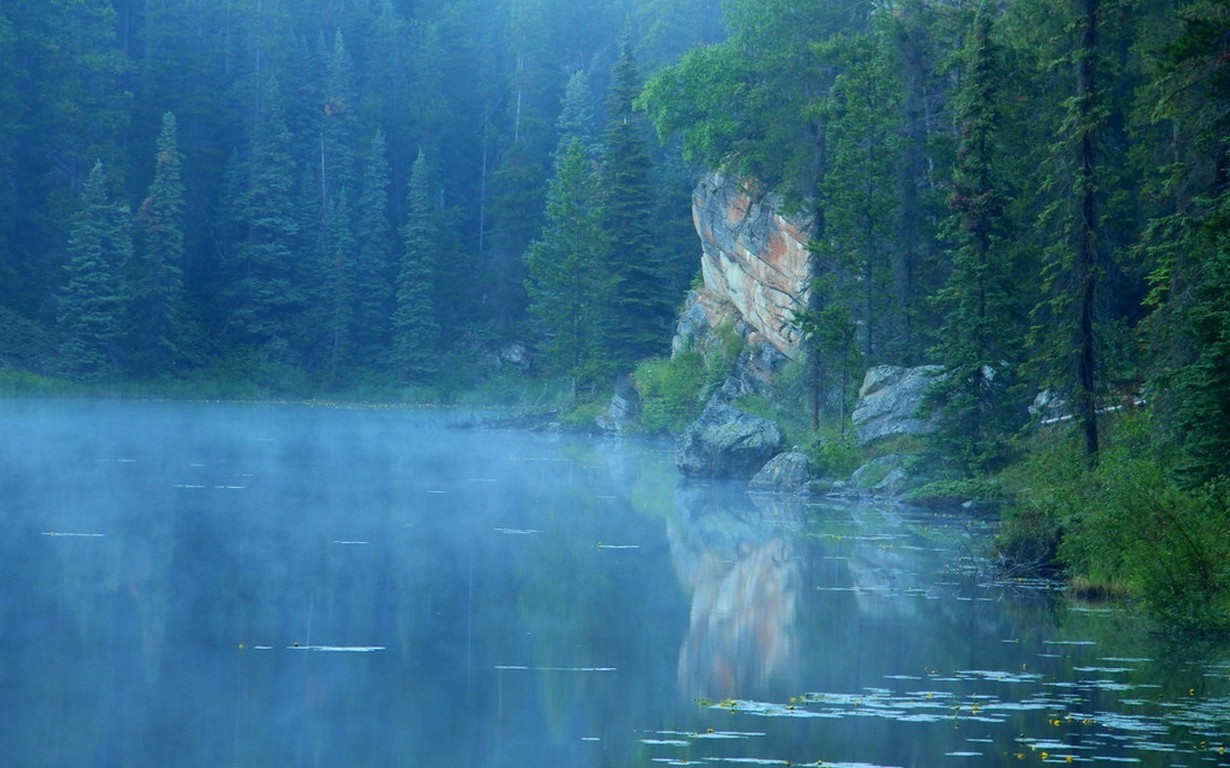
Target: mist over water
x: 258, y: 585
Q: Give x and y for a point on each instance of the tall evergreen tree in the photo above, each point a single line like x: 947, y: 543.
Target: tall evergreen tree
x: 982, y: 330
x: 1186, y: 100
x: 642, y: 308
x: 415, y: 330
x: 375, y: 267
x: 1076, y: 188
x: 859, y: 191
x: 339, y: 274
x: 339, y: 124
x: 93, y: 303
x: 570, y: 285
x: 577, y: 119
x: 266, y: 295
x: 157, y: 320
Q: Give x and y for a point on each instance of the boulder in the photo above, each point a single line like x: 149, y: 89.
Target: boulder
x: 623, y: 410
x: 787, y: 472
x: 883, y: 475
x: 727, y: 442
x: 889, y: 401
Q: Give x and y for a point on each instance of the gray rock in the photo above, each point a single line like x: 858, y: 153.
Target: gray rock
x: 727, y: 442
x: 889, y: 400
x: 622, y: 412
x: 875, y: 471
x: 785, y: 473
x: 882, y: 476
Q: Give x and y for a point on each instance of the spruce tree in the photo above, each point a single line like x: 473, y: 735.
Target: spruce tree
x: 156, y: 319
x: 339, y: 128
x: 415, y: 330
x: 339, y: 268
x: 267, y: 297
x: 858, y: 192
x: 982, y: 330
x: 1078, y: 206
x: 375, y: 266
x: 94, y: 300
x: 642, y: 307
x: 577, y: 119
x: 570, y: 286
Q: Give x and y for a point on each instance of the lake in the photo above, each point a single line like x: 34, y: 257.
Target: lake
x: 294, y: 585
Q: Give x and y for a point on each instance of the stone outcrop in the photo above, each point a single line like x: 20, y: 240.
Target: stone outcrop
x: 754, y: 259
x: 727, y: 442
x: 889, y: 400
x: 787, y: 472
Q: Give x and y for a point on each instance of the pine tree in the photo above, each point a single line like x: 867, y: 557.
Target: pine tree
x: 267, y: 296
x: 642, y: 308
x: 339, y: 269
x: 94, y: 301
x: 1187, y: 241
x: 577, y: 119
x: 858, y: 192
x: 983, y: 317
x: 375, y: 261
x: 157, y: 320
x: 1077, y: 188
x: 339, y: 128
x: 415, y: 330
x: 570, y: 285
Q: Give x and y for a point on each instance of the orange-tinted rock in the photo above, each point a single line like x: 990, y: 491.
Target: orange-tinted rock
x: 754, y: 256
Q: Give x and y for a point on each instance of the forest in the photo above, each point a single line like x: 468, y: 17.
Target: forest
x: 320, y: 196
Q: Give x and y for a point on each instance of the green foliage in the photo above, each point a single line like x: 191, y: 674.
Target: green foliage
x: 1166, y: 543
x: 1123, y: 522
x: 569, y: 283
x: 415, y: 331
x: 833, y: 455
x: 157, y: 324
x: 94, y: 301
x: 670, y: 391
x: 961, y: 490
x: 640, y: 304
x: 982, y: 304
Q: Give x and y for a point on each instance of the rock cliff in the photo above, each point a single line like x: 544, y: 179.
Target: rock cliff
x: 754, y: 258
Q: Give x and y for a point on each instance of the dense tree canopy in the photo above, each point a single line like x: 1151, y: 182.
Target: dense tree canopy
x: 1032, y: 193
x: 265, y: 229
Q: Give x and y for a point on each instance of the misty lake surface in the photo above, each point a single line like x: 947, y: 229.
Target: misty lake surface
x: 293, y: 585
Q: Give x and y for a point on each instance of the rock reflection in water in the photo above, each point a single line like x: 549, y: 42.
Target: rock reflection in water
x: 737, y: 556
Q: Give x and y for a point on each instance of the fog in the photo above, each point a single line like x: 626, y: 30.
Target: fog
x: 279, y: 584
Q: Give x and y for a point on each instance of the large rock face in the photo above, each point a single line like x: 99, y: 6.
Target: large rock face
x: 727, y: 442
x: 754, y: 258
x: 889, y: 400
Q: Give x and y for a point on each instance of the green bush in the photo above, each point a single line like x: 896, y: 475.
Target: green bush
x: 1168, y: 545
x: 1123, y: 523
x: 670, y: 391
x: 833, y: 455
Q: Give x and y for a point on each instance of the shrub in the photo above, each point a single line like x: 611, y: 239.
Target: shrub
x: 670, y: 391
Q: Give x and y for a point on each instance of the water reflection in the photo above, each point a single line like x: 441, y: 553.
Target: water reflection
x: 736, y: 555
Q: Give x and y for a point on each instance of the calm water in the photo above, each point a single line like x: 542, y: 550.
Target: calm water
x: 281, y: 585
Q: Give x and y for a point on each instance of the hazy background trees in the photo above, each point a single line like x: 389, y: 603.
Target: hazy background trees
x: 1030, y: 192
